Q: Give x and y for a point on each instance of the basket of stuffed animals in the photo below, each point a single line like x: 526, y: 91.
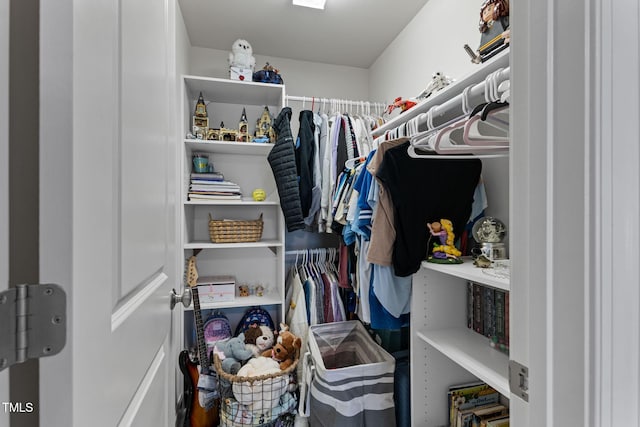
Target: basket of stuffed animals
x: 257, y: 389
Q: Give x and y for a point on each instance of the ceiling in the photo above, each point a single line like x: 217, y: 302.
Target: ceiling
x: 346, y: 32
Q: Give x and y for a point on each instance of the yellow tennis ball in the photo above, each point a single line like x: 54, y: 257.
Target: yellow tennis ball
x: 259, y: 195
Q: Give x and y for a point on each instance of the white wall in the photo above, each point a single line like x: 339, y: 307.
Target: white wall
x: 432, y: 41
x: 302, y: 78
x: 183, y: 44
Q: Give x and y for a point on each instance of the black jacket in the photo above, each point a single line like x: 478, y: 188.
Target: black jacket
x: 304, y: 160
x: 282, y: 160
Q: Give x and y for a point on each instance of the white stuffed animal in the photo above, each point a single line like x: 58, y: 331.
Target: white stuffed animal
x: 241, y: 55
x: 262, y: 394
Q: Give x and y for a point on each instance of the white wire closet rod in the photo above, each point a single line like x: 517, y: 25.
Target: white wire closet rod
x: 451, y: 96
x: 335, y: 100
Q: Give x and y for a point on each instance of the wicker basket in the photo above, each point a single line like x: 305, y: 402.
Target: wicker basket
x: 235, y: 231
x: 264, y: 400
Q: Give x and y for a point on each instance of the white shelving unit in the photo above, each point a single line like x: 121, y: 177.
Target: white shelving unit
x: 443, y: 351
x: 244, y: 163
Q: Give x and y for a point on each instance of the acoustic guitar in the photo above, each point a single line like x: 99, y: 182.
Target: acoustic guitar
x: 196, y: 415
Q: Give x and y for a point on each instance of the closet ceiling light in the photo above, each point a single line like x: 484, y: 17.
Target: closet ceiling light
x: 316, y: 4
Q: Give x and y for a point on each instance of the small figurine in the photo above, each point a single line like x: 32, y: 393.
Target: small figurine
x: 259, y: 290
x: 264, y: 130
x: 438, y: 82
x: 482, y: 261
x: 443, y: 251
x: 404, y: 105
x: 243, y: 128
x: 494, y: 30
x: 200, y: 119
x: 244, y: 290
x: 201, y: 107
x: 268, y: 74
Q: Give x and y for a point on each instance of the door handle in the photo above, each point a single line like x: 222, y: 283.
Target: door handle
x: 184, y: 298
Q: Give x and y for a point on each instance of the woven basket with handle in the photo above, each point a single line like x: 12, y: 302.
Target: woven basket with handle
x: 235, y: 231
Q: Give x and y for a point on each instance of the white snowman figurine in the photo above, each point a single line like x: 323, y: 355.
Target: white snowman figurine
x: 241, y: 55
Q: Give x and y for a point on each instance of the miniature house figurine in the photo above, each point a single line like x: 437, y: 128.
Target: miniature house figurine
x: 201, y: 107
x: 264, y: 131
x: 243, y: 128
x: 200, y: 122
x: 225, y: 134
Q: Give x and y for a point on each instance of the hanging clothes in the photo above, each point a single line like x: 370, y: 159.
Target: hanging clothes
x: 304, y: 154
x: 283, y: 165
x: 323, y: 151
x: 449, y: 186
x: 316, y: 192
x: 383, y: 234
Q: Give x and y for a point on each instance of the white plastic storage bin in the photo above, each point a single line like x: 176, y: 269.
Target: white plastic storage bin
x: 350, y: 377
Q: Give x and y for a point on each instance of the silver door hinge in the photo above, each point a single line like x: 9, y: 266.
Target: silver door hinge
x: 519, y: 380
x: 33, y: 323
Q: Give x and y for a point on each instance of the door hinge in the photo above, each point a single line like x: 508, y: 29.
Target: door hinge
x: 519, y: 380
x: 33, y: 323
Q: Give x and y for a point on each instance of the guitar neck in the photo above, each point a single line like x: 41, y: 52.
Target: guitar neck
x: 202, y: 346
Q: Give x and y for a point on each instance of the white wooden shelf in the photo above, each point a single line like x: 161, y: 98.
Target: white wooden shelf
x: 239, y: 302
x: 468, y: 271
x: 473, y: 352
x: 242, y: 202
x: 229, y: 147
x: 226, y: 91
x: 209, y: 245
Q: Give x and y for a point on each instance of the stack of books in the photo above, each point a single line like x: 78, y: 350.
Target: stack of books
x: 212, y: 186
x: 488, y: 314
x: 476, y: 404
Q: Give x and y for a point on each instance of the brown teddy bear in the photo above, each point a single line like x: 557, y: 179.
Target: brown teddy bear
x: 284, y: 351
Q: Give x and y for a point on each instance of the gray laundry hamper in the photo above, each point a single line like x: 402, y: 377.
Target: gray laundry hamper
x: 349, y: 378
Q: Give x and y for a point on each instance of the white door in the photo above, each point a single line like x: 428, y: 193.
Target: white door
x: 107, y: 209
x: 576, y: 101
x: 4, y: 181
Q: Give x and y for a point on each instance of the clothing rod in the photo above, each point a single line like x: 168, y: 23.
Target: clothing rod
x: 456, y: 101
x: 438, y: 110
x: 306, y: 251
x: 341, y: 101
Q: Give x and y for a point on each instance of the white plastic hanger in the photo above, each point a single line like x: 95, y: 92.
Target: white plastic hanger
x: 448, y: 138
x: 492, y: 130
x: 415, y: 155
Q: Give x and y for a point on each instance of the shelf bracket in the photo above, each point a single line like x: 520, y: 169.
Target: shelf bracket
x: 519, y: 380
